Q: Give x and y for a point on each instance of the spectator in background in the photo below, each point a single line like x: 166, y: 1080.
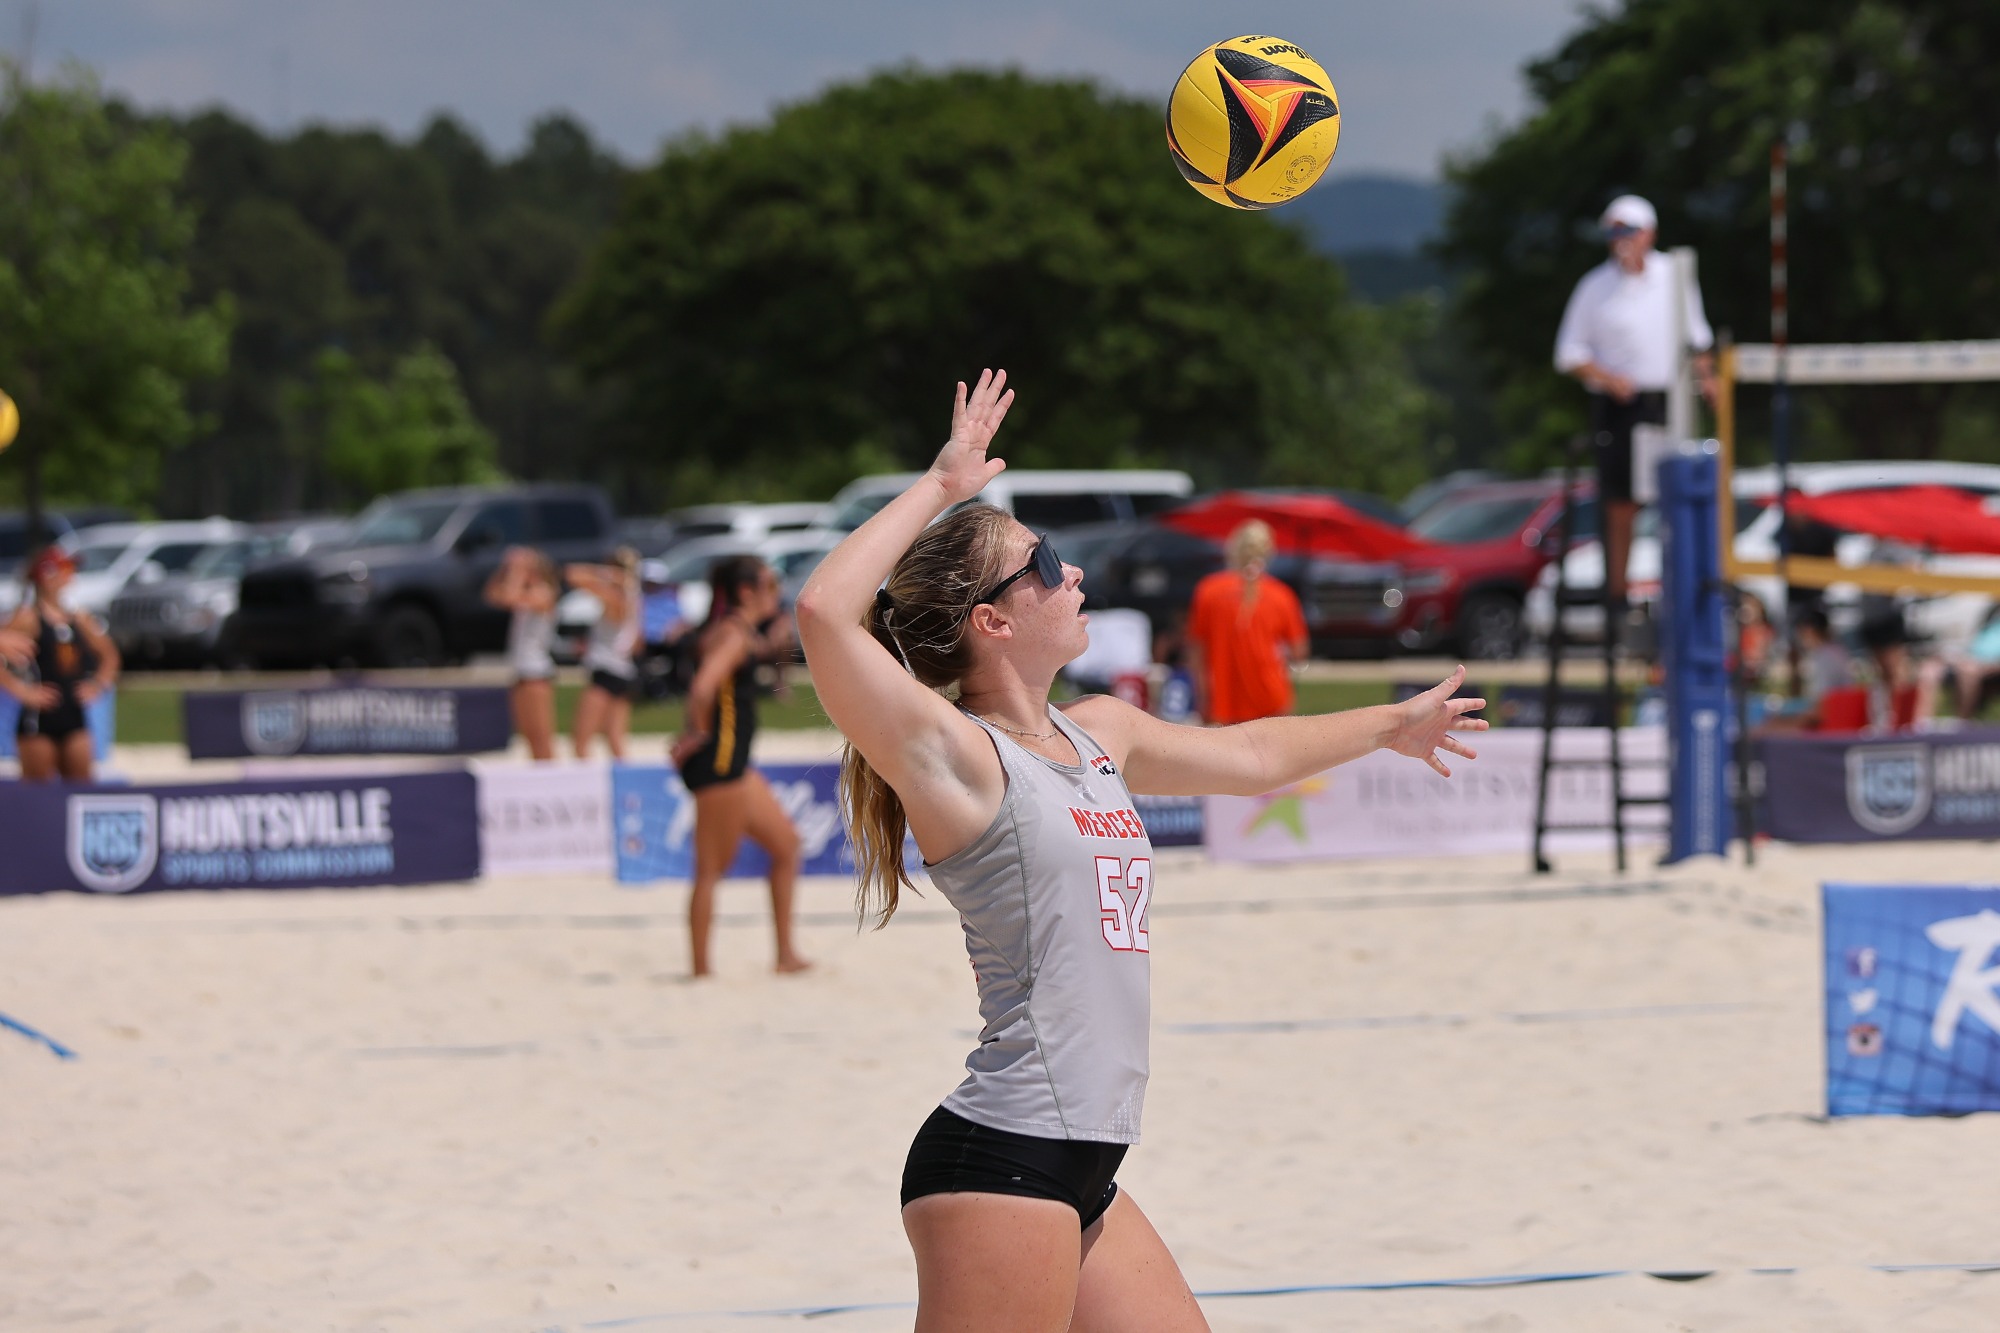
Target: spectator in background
x: 611, y: 656
x: 1978, y: 665
x: 1755, y: 638
x: 1617, y: 339
x: 1826, y: 669
x: 73, y: 665
x: 1905, y: 691
x: 1245, y: 630
x: 525, y: 585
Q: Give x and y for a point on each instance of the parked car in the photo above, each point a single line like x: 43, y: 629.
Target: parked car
x: 1952, y: 617
x: 110, y: 555
x: 745, y: 522
x: 1139, y: 565
x: 1489, y: 542
x: 1044, y: 500
x: 179, y: 618
x: 681, y: 577
x: 407, y: 589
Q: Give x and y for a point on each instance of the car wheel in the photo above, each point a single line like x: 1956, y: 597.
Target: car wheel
x: 408, y: 636
x: 1489, y: 627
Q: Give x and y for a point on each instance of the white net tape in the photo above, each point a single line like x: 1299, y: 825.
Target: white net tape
x: 1870, y: 363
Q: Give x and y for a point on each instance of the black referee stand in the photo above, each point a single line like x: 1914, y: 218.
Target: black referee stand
x: 1613, y: 695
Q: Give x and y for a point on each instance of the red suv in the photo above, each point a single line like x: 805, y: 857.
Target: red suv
x: 1464, y: 592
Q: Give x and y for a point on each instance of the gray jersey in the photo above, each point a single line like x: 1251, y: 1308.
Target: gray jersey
x: 529, y: 634
x: 1054, y: 897
x: 612, y: 643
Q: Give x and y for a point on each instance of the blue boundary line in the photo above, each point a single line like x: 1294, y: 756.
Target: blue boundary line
x: 44, y: 1038
x: 1299, y: 1289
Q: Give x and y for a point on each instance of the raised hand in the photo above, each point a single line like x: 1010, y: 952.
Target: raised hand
x: 962, y: 466
x: 1424, y: 724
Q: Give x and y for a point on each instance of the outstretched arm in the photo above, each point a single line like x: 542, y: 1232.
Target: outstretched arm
x: 1162, y: 759
x: 905, y: 731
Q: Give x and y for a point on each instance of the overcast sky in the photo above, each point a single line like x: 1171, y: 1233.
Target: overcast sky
x: 1416, y: 77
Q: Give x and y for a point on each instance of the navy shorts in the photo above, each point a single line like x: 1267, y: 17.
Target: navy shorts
x: 951, y: 1155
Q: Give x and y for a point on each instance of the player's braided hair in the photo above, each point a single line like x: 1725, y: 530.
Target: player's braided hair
x: 920, y: 616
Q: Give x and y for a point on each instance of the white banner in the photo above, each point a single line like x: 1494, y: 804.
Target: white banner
x: 1386, y: 805
x: 544, y: 819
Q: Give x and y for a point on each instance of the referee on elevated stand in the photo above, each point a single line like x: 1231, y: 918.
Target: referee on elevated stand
x: 1617, y: 339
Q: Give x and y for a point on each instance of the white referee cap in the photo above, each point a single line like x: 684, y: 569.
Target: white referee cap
x: 1629, y: 210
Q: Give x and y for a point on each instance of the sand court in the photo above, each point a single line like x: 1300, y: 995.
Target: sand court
x: 503, y: 1106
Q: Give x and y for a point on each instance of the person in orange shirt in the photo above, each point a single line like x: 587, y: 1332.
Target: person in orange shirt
x: 1244, y: 631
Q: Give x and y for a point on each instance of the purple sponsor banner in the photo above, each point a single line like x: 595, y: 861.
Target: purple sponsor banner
x: 419, y: 828
x: 1873, y: 789
x: 355, y: 718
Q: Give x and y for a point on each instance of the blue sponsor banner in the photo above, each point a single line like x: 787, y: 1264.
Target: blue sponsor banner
x: 102, y: 715
x: 652, y: 821
x: 416, y: 828
x: 356, y: 718
x: 1912, y: 999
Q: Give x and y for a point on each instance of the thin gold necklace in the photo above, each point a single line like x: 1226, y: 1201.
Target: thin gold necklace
x: 1015, y: 731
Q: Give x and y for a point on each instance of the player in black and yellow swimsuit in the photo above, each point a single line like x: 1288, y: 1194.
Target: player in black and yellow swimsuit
x: 74, y: 663
x: 713, y: 754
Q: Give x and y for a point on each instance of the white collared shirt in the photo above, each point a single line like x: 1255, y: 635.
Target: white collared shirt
x: 1624, y: 322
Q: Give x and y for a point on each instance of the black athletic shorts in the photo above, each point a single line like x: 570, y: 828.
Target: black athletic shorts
x: 618, y: 687
x: 58, y: 723
x: 951, y: 1155
x: 1611, y: 425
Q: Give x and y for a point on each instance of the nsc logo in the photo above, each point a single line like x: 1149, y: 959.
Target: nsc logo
x: 1889, y: 787
x: 113, y: 842
x: 274, y: 723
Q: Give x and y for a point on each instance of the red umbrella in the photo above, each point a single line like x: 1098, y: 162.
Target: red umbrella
x: 1302, y: 525
x: 1936, y: 518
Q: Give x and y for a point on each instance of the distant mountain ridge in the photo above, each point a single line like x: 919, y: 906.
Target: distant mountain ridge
x: 1373, y: 212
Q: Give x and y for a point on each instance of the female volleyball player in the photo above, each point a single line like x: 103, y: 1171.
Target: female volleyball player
x: 609, y: 656
x: 1024, y: 818
x: 525, y: 587
x: 74, y: 664
x: 713, y: 755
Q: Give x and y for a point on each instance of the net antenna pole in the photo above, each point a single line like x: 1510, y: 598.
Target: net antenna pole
x: 1781, y: 396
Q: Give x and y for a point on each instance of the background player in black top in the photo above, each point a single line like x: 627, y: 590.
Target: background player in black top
x: 713, y: 754
x: 74, y: 663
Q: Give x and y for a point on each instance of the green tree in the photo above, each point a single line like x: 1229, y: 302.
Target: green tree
x: 98, y: 338
x: 1892, y: 111
x: 412, y: 429
x: 785, y: 305
x: 350, y: 240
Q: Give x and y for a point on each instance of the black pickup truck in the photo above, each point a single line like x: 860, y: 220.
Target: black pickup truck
x: 407, y: 587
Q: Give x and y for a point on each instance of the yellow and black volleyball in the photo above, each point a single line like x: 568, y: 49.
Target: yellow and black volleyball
x: 1253, y: 122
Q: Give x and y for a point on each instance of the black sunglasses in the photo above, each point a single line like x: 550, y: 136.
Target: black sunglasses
x: 1043, y: 563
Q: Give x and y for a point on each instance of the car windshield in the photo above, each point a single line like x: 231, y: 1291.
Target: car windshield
x: 222, y: 561
x: 858, y: 511
x: 693, y: 566
x: 797, y: 564
x: 1455, y: 521
x: 1088, y: 550
x: 97, y: 559
x: 402, y: 522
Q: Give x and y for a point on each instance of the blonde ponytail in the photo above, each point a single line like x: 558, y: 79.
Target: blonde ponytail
x: 919, y: 616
